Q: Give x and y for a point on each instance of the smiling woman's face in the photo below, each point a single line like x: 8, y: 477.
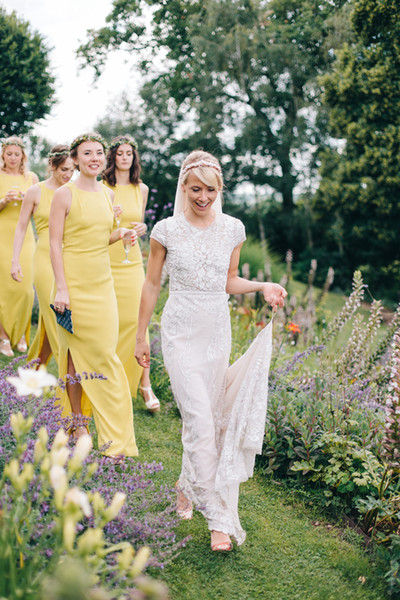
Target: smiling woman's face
x: 90, y: 158
x: 199, y: 196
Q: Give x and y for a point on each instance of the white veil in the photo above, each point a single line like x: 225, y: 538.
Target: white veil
x: 179, y: 205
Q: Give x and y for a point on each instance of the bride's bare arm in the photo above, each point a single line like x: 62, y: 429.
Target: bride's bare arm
x: 274, y: 293
x: 150, y: 291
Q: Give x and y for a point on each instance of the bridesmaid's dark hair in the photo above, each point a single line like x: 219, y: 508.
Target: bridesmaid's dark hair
x: 57, y: 156
x: 134, y: 171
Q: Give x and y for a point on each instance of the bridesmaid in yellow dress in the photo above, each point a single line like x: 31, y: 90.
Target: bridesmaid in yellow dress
x: 81, y: 228
x: 16, y: 299
x: 36, y: 204
x: 122, y: 175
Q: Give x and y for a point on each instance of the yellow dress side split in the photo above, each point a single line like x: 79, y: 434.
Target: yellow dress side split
x: 95, y: 321
x: 16, y: 298
x: 128, y: 282
x: 43, y: 277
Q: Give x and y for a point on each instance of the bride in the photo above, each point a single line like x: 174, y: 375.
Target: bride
x: 222, y: 409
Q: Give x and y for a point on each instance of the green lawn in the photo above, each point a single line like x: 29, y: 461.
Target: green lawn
x: 285, y: 557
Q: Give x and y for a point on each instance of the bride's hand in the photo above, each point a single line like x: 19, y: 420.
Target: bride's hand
x: 274, y: 294
x: 142, y: 354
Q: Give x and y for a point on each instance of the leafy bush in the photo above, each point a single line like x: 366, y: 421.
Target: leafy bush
x: 334, y: 418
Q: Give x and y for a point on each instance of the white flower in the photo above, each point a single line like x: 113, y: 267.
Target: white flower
x: 60, y: 441
x: 58, y: 477
x: 32, y: 381
x: 76, y: 497
x: 59, y: 456
x: 82, y: 448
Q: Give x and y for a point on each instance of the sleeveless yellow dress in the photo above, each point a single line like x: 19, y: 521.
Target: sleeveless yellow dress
x: 95, y: 321
x: 16, y: 298
x: 128, y: 282
x: 43, y: 277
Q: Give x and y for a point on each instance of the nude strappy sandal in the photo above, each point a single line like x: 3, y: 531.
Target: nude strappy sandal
x: 5, y: 347
x: 153, y: 403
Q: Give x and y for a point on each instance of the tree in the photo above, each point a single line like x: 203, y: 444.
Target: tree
x: 244, y: 73
x: 26, y: 84
x: 358, y: 198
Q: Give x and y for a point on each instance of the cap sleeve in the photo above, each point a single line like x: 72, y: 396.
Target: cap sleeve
x: 239, y: 234
x: 159, y: 233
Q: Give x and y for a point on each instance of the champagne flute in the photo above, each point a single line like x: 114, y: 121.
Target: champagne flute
x: 17, y: 189
x: 118, y: 217
x: 127, y: 240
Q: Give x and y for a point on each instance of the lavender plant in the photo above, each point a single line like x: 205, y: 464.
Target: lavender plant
x: 47, y: 523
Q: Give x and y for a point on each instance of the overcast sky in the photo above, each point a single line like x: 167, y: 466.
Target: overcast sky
x: 63, y: 24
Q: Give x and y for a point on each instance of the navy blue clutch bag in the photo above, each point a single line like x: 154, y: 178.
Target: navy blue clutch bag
x: 64, y: 319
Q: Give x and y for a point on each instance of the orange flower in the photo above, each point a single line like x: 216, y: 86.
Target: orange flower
x: 293, y: 328
x: 260, y: 324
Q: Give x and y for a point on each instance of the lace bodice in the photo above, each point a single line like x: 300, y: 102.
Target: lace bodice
x: 198, y: 259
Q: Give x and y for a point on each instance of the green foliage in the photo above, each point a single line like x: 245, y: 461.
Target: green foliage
x: 341, y: 466
x: 241, y: 74
x: 357, y: 199
x: 26, y: 83
x: 51, y: 478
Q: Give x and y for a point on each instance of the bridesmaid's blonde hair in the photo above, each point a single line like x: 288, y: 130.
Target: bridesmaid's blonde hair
x: 14, y: 140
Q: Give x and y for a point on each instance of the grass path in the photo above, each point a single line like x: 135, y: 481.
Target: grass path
x: 285, y: 557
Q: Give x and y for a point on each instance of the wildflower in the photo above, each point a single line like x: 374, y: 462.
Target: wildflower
x: 243, y: 310
x: 115, y: 506
x: 140, y: 561
x: 59, y: 482
x: 19, y: 480
x: 69, y: 533
x: 59, y: 456
x: 125, y: 557
x: 91, y: 541
x: 40, y: 445
x: 19, y: 425
x: 60, y: 441
x: 32, y: 381
x: 76, y: 497
x: 82, y: 448
x: 293, y: 328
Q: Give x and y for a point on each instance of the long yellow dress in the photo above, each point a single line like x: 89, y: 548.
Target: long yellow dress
x: 128, y: 282
x: 95, y: 321
x: 43, y: 277
x: 16, y: 298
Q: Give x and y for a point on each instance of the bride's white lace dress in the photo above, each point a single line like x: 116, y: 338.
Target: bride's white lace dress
x: 223, y: 409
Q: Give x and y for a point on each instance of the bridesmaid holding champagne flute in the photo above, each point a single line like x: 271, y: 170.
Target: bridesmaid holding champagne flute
x: 122, y: 175
x: 36, y: 205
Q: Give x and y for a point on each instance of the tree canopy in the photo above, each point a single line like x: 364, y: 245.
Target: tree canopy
x: 26, y: 83
x: 241, y: 75
x: 358, y: 198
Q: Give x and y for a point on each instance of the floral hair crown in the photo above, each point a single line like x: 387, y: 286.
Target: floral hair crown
x: 88, y: 137
x: 59, y: 153
x: 125, y: 140
x: 201, y: 163
x: 11, y: 142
